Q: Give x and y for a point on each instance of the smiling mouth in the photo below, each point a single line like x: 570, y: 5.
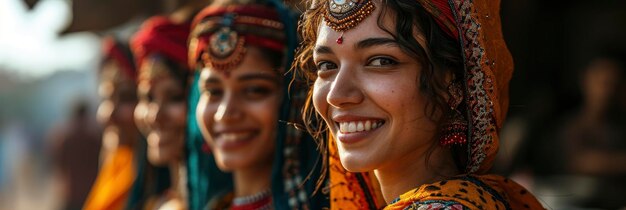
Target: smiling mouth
x: 236, y: 136
x: 359, y: 126
x: 234, y: 140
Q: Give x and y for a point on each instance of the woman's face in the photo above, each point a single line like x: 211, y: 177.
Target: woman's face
x: 161, y: 112
x: 367, y: 91
x: 238, y: 112
x: 119, y: 97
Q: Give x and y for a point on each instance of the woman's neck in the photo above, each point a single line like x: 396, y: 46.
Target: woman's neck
x: 252, y: 180
x: 411, y: 172
x: 177, y: 174
x: 176, y: 196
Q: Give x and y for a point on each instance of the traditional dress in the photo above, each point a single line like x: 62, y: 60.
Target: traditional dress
x: 269, y: 26
x: 488, y: 67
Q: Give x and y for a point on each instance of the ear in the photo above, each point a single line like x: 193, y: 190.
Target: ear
x: 455, y: 91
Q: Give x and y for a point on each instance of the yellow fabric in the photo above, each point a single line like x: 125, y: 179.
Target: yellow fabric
x: 473, y: 192
x: 346, y: 192
x: 115, y: 179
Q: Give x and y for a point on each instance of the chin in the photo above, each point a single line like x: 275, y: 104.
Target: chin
x: 355, y: 162
x: 230, y: 165
x: 159, y: 159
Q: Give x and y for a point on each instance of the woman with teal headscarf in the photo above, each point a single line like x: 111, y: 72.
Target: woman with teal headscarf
x: 247, y: 106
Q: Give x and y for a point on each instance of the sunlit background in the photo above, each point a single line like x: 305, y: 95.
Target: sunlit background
x: 50, y: 52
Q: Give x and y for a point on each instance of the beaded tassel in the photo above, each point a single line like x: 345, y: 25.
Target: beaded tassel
x: 454, y: 132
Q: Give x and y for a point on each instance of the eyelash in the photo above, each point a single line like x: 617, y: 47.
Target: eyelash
x: 251, y: 93
x: 322, y: 63
x: 379, y: 58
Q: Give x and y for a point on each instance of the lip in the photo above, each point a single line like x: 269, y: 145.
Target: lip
x: 161, y: 141
x: 347, y: 118
x: 248, y: 135
x: 354, y: 137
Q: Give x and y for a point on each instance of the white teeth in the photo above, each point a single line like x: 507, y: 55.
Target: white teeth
x: 234, y: 136
x: 351, y: 127
x: 358, y: 126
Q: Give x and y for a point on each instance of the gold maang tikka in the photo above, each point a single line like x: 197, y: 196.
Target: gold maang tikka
x: 226, y: 47
x: 342, y: 15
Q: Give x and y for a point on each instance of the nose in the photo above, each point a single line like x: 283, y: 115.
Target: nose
x: 228, y: 109
x: 345, y: 90
x: 155, y: 114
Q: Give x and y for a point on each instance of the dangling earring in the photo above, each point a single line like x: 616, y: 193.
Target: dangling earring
x: 454, y: 130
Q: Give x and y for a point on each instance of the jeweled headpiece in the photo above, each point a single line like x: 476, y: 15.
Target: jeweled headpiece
x: 220, y: 35
x: 342, y: 15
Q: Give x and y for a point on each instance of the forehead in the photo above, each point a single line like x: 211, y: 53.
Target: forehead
x: 368, y: 28
x: 253, y: 63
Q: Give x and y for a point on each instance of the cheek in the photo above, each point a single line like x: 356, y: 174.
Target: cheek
x: 141, y: 111
x: 320, y: 92
x: 395, y: 94
x: 266, y: 113
x: 204, y: 116
x: 178, y: 114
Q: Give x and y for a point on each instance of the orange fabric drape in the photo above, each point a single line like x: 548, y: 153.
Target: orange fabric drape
x: 115, y: 179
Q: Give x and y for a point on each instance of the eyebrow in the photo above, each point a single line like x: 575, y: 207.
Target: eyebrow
x: 323, y: 50
x: 374, y: 42
x: 360, y: 45
x: 212, y: 80
x: 247, y: 77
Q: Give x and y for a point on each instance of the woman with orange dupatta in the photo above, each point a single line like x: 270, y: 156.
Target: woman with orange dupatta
x: 119, y: 93
x: 414, y: 91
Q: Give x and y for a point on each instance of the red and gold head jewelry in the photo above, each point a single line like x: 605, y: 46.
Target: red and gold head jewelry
x: 225, y: 47
x: 221, y: 35
x: 343, y: 15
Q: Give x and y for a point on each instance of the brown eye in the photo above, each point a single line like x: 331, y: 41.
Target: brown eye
x: 214, y: 93
x: 256, y: 92
x: 325, y: 65
x: 381, y: 61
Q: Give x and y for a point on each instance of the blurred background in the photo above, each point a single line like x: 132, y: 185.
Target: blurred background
x: 564, y: 138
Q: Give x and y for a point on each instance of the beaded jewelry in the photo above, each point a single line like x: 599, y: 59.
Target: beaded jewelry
x: 343, y: 15
x: 454, y: 131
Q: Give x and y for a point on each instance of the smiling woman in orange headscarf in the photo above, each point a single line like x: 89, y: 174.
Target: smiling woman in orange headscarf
x: 414, y: 91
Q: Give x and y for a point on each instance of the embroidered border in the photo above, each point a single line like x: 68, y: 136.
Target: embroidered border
x: 479, y: 101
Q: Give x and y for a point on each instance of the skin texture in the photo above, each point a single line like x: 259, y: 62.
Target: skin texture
x: 161, y: 113
x: 369, y: 77
x: 118, y: 93
x: 238, y: 116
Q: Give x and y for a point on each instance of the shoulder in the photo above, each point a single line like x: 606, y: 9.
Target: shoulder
x: 466, y: 192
